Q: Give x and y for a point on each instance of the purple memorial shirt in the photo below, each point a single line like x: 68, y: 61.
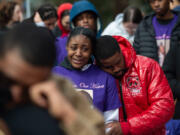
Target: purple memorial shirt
x: 100, y: 85
x: 163, y: 35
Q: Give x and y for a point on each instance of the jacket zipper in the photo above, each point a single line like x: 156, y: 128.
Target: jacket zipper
x: 122, y: 102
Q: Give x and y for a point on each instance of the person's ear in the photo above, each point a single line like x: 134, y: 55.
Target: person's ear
x: 37, y: 18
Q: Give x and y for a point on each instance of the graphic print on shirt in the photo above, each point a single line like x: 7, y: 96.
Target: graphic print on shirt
x: 133, y: 84
x: 163, y: 36
x: 163, y: 43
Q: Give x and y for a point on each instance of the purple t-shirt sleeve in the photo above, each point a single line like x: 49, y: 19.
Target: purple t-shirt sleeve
x: 61, y: 52
x: 112, y: 97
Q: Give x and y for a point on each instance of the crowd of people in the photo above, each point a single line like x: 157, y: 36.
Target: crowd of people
x: 62, y: 74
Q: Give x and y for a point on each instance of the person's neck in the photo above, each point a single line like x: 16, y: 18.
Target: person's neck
x: 167, y: 16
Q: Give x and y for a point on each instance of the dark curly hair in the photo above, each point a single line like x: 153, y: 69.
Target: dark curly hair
x: 6, y: 12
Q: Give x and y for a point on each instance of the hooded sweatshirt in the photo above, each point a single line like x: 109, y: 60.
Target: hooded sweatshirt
x: 61, y: 9
x: 117, y: 28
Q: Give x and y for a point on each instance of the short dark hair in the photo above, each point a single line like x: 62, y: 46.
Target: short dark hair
x: 83, y: 31
x: 105, y: 47
x: 35, y: 44
x: 132, y: 14
x: 47, y: 11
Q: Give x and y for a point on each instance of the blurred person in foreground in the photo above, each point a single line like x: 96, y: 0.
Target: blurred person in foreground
x: 26, y: 58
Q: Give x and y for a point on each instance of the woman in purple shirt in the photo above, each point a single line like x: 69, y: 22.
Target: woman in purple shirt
x: 98, y: 86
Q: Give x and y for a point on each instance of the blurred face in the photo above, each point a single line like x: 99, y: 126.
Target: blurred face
x: 65, y: 21
x: 86, y: 20
x: 19, y: 72
x: 79, y: 51
x: 114, y: 65
x: 130, y: 27
x: 160, y: 7
x: 17, y: 14
x: 50, y: 23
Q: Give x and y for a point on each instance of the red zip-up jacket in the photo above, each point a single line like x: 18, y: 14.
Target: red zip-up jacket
x: 147, y: 96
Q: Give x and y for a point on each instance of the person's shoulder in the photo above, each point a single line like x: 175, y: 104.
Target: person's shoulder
x: 119, y: 17
x: 28, y: 20
x: 61, y: 39
x: 111, y: 27
x: 99, y: 71
x: 148, y: 18
x: 59, y: 69
x: 145, y: 62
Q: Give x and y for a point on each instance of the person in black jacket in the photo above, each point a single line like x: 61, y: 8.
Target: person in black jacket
x: 171, y: 68
x: 27, y: 54
x: 158, y: 31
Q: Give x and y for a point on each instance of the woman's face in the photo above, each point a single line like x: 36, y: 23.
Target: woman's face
x: 17, y: 14
x: 79, y: 50
x: 65, y: 21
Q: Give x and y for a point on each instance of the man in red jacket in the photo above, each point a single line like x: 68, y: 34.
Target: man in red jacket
x: 143, y: 88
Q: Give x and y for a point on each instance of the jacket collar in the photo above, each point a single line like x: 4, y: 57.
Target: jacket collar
x: 66, y: 64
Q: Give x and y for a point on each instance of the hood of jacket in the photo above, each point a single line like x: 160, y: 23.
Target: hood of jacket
x: 61, y: 9
x: 119, y: 18
x: 83, y: 6
x: 127, y: 51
